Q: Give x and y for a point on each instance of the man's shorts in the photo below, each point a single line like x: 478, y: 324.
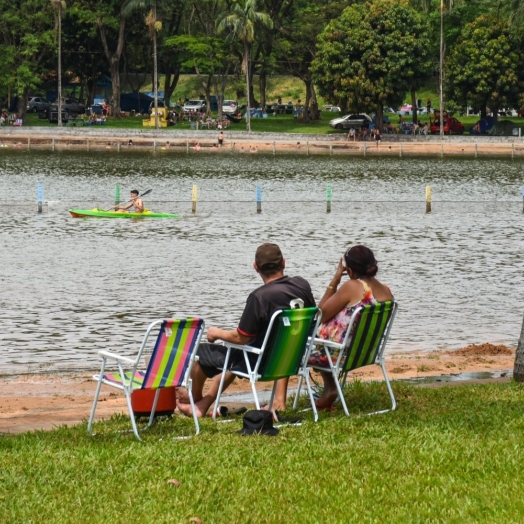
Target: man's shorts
x: 211, y: 358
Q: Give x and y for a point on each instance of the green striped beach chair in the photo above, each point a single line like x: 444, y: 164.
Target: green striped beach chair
x: 170, y: 365
x: 365, y: 347
x: 284, y: 352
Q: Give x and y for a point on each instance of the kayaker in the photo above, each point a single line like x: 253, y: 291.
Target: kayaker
x: 135, y: 202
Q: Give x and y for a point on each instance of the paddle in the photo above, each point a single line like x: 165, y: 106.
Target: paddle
x: 142, y: 195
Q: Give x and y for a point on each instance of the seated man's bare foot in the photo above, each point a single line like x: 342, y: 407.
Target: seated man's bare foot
x: 182, y: 396
x: 185, y: 409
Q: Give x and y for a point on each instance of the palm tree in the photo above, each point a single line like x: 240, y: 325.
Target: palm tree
x: 60, y: 6
x: 242, y: 20
x: 153, y: 25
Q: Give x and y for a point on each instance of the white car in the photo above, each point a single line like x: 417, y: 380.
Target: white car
x: 348, y: 121
x: 332, y: 109
x: 229, y: 107
x: 194, y: 105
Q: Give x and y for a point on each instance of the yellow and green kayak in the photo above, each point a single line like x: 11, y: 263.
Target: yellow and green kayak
x: 82, y: 213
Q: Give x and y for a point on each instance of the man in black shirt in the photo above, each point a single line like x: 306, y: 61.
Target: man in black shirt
x: 276, y: 293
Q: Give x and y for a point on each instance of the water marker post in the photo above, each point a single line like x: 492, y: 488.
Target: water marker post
x: 187, y: 147
x: 259, y: 199
x: 117, y: 194
x: 53, y: 142
x: 364, y: 148
x: 328, y: 198
x: 118, y: 146
x: 330, y: 149
x: 274, y: 148
x: 476, y: 149
x: 87, y: 144
x: 28, y: 142
x: 523, y: 199
x: 512, y: 150
x: 428, y: 199
x: 40, y: 196
x: 194, y: 199
x: 307, y: 147
x: 400, y: 150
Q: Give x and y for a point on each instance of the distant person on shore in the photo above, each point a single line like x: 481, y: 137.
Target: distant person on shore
x: 339, y: 303
x: 351, y: 134
x: 135, y: 202
x: 220, y: 139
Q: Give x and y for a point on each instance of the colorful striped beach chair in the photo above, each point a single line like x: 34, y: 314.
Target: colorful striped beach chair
x: 284, y: 352
x: 365, y: 347
x: 170, y: 365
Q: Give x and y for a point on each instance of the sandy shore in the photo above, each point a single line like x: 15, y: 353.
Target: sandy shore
x: 239, y: 143
x: 43, y: 401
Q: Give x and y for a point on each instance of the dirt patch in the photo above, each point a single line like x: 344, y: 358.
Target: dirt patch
x: 44, y: 401
x: 476, y: 350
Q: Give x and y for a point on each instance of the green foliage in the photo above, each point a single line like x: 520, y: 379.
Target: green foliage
x: 372, y: 55
x: 484, y: 67
x: 448, y: 454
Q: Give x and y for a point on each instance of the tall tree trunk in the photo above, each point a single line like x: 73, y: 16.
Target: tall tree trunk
x: 518, y: 368
x: 155, y: 68
x: 248, y: 90
x: 305, y: 109
x: 379, y: 117
x: 263, y: 85
x: 414, y: 105
x: 114, y: 63
x: 60, y: 64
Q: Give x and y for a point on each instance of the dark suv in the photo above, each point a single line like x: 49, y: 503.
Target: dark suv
x: 70, y: 107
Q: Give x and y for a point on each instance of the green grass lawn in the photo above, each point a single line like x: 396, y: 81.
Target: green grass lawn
x: 450, y: 454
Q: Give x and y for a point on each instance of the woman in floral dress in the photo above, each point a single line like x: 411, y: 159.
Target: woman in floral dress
x: 339, y: 302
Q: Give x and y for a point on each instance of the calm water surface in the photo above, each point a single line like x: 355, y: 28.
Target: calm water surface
x: 70, y: 287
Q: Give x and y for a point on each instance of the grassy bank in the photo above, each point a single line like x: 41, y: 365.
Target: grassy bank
x: 449, y: 454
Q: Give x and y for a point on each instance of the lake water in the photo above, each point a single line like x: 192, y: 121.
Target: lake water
x: 70, y: 287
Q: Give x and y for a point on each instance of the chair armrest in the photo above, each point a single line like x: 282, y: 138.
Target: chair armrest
x: 116, y: 356
x: 249, y: 349
x: 328, y: 343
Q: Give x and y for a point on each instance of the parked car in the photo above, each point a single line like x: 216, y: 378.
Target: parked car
x: 355, y: 121
x: 37, y: 103
x: 194, y: 105
x: 70, y: 105
x: 451, y: 124
x: 332, y: 109
x: 230, y: 107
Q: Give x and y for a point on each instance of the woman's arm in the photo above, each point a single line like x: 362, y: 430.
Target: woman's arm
x: 334, y: 299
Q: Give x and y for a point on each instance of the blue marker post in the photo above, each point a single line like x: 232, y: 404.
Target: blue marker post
x: 259, y: 199
x: 328, y: 198
x: 40, y: 194
x: 523, y: 199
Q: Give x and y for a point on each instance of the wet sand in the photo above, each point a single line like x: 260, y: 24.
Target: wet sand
x: 44, y: 401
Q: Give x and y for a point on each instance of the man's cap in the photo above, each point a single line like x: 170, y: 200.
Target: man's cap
x: 268, y: 256
x: 258, y: 422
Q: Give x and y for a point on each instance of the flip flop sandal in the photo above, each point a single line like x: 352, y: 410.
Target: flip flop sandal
x: 224, y: 411
x: 277, y: 417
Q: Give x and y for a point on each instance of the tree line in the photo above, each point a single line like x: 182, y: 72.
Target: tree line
x: 362, y: 56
